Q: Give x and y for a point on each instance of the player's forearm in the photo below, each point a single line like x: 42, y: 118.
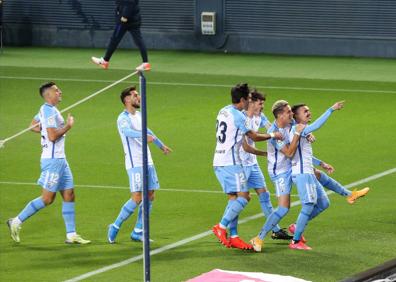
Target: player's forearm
x: 246, y: 147
x: 316, y: 161
x: 157, y: 142
x: 55, y: 134
x: 319, y: 122
x: 256, y: 137
x: 36, y: 127
x: 291, y: 150
x: 254, y: 151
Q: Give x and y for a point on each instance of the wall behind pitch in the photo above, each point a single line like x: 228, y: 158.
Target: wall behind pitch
x: 306, y: 27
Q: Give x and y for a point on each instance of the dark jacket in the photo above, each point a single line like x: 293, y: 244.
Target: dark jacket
x: 128, y: 9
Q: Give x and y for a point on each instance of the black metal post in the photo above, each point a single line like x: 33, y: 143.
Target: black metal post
x: 146, y: 223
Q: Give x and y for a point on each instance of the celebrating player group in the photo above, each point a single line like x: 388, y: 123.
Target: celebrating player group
x: 290, y: 161
x: 289, y: 154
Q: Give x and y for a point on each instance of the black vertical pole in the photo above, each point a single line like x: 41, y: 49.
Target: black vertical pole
x: 146, y: 226
x: 1, y: 26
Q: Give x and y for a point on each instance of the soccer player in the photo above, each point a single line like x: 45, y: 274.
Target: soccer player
x: 230, y: 128
x: 313, y: 198
x: 279, y: 166
x: 128, y: 18
x: 129, y: 124
x: 55, y: 171
x: 255, y: 178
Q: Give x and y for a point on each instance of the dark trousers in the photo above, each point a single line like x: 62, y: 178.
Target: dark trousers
x: 119, y: 33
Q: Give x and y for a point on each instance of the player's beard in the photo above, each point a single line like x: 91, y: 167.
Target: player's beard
x: 136, y: 106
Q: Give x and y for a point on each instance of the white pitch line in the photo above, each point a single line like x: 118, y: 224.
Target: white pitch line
x: 127, y: 188
x: 116, y: 187
x: 206, y: 233
x: 205, y: 84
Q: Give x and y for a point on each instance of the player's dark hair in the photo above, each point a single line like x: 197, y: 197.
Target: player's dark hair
x: 296, y: 107
x: 239, y: 91
x: 45, y: 87
x: 278, y: 107
x: 255, y: 95
x: 126, y: 92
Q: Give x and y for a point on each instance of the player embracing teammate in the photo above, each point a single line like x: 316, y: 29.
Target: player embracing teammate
x: 290, y: 161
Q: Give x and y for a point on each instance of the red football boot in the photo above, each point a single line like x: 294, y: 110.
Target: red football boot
x: 299, y: 246
x: 221, y: 234
x: 236, y: 242
x: 292, y: 229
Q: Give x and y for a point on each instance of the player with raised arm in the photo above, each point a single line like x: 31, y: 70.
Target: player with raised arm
x: 254, y: 176
x: 230, y: 128
x: 279, y: 166
x: 55, y: 175
x: 129, y: 124
x: 313, y: 198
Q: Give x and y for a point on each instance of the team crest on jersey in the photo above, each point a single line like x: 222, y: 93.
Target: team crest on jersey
x: 224, y: 113
x: 124, y: 123
x: 51, y: 121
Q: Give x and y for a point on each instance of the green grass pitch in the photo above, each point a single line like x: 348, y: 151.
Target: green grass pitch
x: 185, y: 92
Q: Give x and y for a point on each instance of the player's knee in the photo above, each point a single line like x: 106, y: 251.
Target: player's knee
x: 151, y: 195
x: 69, y: 196
x: 47, y: 199
x: 307, y: 208
x: 245, y: 195
x: 284, y: 201
x: 261, y: 191
x: 137, y: 198
x: 232, y: 196
x: 325, y: 203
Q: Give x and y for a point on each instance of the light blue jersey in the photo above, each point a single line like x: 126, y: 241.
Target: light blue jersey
x: 254, y: 176
x: 230, y: 127
x: 55, y: 171
x: 278, y: 163
x: 302, y: 161
x: 50, y: 117
x: 130, y: 129
x: 308, y: 187
x: 255, y: 123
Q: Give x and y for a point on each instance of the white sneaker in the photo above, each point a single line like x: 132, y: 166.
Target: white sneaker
x: 77, y: 239
x: 100, y: 62
x: 144, y: 67
x: 14, y: 229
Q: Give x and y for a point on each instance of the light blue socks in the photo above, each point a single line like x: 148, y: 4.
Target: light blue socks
x: 125, y: 213
x: 31, y: 208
